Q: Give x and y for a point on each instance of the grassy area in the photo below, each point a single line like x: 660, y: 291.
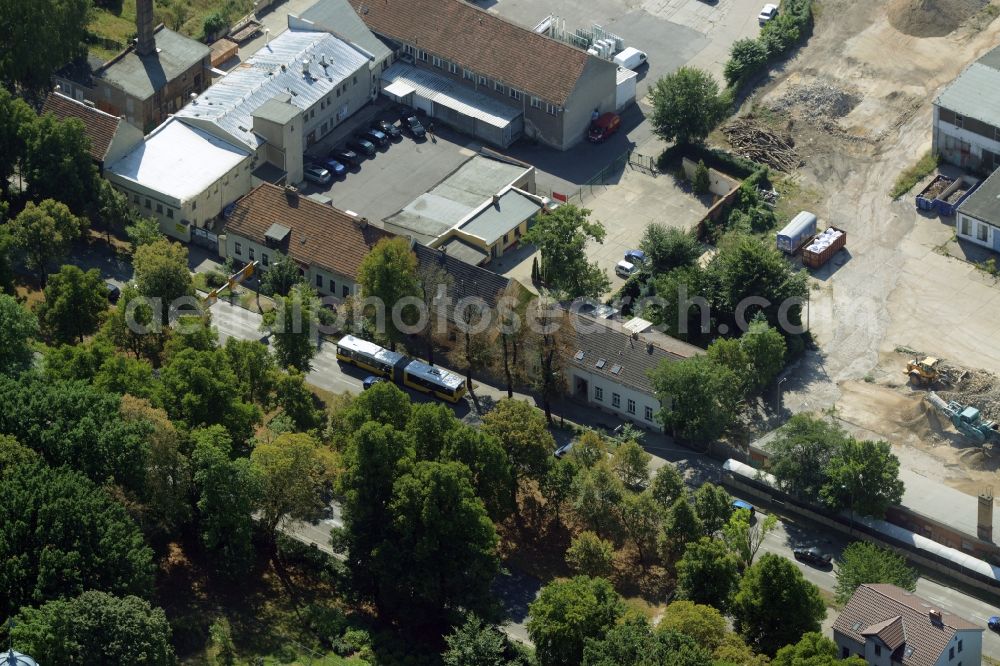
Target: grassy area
x: 911, y: 176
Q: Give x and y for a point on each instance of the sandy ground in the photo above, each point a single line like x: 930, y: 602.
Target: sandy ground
x: 894, y: 288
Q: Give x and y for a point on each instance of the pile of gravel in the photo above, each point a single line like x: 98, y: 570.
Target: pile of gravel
x: 931, y: 18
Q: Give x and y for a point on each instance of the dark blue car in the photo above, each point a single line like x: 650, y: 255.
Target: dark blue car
x: 370, y: 381
x: 746, y: 506
x: 335, y: 167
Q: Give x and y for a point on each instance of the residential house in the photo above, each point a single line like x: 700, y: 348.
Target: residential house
x: 456, y: 280
x: 327, y: 244
x: 967, y: 116
x: 888, y: 626
x: 487, y: 76
x: 978, y: 217
x: 110, y: 137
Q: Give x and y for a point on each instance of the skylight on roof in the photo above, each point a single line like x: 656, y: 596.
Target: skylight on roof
x: 615, y: 369
x: 600, y: 363
x: 579, y: 355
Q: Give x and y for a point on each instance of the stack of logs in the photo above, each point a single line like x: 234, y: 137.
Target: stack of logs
x: 754, y: 141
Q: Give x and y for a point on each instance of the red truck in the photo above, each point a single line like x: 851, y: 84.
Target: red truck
x: 823, y: 246
x: 604, y: 126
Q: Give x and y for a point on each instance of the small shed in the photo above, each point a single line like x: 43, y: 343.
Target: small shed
x: 223, y: 50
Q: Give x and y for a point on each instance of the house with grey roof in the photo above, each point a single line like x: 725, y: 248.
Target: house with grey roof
x: 967, y: 116
x: 978, y: 217
x: 888, y: 626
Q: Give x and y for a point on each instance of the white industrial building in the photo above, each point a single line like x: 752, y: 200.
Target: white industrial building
x: 978, y: 217
x: 967, y: 116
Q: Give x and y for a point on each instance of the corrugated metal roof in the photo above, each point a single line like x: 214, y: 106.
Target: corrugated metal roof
x: 442, y: 90
x: 339, y: 17
x: 274, y: 70
x: 975, y: 93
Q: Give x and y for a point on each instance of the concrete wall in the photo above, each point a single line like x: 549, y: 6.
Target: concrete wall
x: 127, y: 136
x: 594, y: 90
x: 327, y: 113
x: 284, y: 144
x: 719, y: 183
x: 600, y: 392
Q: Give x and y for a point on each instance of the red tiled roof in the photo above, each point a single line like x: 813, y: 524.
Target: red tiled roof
x: 480, y: 41
x: 100, y: 126
x: 321, y: 235
x: 901, y: 620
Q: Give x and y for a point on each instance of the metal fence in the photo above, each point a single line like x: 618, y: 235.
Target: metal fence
x: 610, y: 174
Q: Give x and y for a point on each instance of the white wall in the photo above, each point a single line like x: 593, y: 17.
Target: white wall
x: 605, y: 388
x: 977, y: 142
x: 975, y: 228
x: 332, y: 283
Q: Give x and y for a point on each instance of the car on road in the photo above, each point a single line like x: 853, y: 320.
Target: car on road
x: 603, y: 126
x: 413, y: 126
x: 389, y: 129
x: 371, y: 381
x: 813, y: 555
x: 625, y: 269
x: 746, y: 506
x: 317, y: 174
x: 767, y: 13
x: 563, y: 450
x: 994, y: 623
x: 377, y: 137
x: 114, y: 292
x: 362, y: 145
x: 348, y: 158
x: 635, y: 256
x: 335, y: 167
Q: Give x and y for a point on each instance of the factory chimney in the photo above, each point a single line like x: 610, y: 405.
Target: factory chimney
x: 984, y: 523
x: 144, y: 24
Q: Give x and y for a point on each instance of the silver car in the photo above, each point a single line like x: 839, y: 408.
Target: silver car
x: 318, y: 175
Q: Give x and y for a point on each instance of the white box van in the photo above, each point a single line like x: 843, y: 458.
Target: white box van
x: 630, y: 58
x: 625, y: 269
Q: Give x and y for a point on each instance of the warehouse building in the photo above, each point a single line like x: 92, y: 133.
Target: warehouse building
x: 339, y: 19
x: 967, y: 116
x: 978, y: 217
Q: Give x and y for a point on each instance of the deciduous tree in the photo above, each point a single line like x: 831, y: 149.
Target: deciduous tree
x: 280, y: 276
x: 703, y: 623
x: 814, y: 649
x: 18, y: 328
x: 631, y: 464
x: 143, y: 231
x: 522, y: 432
x: 253, y: 366
x: 58, y: 26
x: 567, y: 613
x: 16, y: 118
x: 74, y: 305
x: 667, y: 486
x: 492, y: 478
x: 681, y: 527
x: 296, y: 401
x: 44, y: 232
x: 58, y: 163
x: 389, y: 273
x: 708, y: 573
x: 800, y: 453
x: 745, y: 534
x: 686, y: 105
x: 598, y: 497
x: 702, y: 396
x: 863, y: 562
x: 161, y: 271
x: 642, y: 517
x: 635, y: 643
x: 475, y: 643
x: 562, y: 236
x: 863, y: 476
x: 668, y: 248
x: 714, y: 506
x: 590, y: 555
x: 293, y: 327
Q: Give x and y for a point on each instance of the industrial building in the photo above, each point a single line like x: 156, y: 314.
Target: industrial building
x: 110, y: 136
x: 967, y: 116
x: 465, y: 55
x: 978, y: 217
x: 339, y: 19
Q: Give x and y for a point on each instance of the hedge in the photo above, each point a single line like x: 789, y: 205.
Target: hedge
x: 777, y: 37
x: 719, y: 160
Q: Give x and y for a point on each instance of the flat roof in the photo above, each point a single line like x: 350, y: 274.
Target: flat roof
x: 463, y: 251
x: 452, y: 200
x: 984, y: 203
x: 143, y: 76
x: 275, y: 71
x: 339, y: 17
x: 402, y: 79
x: 942, y: 503
x: 277, y: 111
x: 179, y: 160
x: 500, y: 216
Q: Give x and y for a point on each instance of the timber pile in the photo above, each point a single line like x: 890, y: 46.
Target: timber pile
x: 757, y: 143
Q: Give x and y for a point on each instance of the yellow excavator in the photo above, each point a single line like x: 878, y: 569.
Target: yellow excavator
x: 924, y: 371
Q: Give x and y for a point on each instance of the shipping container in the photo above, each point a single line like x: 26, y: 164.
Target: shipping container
x: 797, y: 232
x: 823, y: 246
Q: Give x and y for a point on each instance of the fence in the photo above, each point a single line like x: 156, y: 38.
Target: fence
x: 608, y: 175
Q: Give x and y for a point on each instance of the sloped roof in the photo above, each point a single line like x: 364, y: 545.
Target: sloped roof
x: 976, y: 91
x: 984, y: 203
x: 480, y: 41
x: 99, y: 126
x: 142, y: 76
x: 319, y: 235
x: 874, y: 610
x: 462, y: 279
x: 338, y: 17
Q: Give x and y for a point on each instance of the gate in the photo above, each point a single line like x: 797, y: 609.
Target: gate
x: 643, y: 163
x: 205, y: 238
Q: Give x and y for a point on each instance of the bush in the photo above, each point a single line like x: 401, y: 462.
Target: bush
x: 911, y: 176
x: 215, y: 279
x: 731, y: 165
x: 778, y: 36
x: 214, y: 24
x: 700, y: 182
x: 746, y: 58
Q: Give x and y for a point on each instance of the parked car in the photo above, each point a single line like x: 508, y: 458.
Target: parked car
x: 114, y: 293
x: 377, y: 137
x: 767, y: 13
x: 625, y: 269
x: 317, y: 174
x: 413, y: 126
x: 335, y: 167
x: 362, y: 145
x: 389, y: 129
x: 635, y: 256
x: 812, y: 556
x: 746, y: 506
x: 994, y: 623
x: 370, y: 381
x: 604, y: 126
x: 348, y: 158
x: 563, y: 450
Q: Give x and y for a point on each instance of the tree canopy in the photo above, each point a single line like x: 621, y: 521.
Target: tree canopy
x: 44, y: 232
x: 668, y: 248
x: 562, y: 236
x: 567, y: 613
x: 686, y: 105
x: 74, y: 305
x: 389, y: 273
x: 635, y: 643
x: 708, y: 573
x: 863, y: 476
x: 18, y: 328
x: 702, y: 396
x: 161, y: 271
x: 863, y: 562
x: 798, y: 456
x: 59, y: 25
x: 814, y: 649
x: 522, y: 432
x: 57, y: 163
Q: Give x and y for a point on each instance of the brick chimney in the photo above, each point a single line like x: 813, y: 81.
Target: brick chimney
x: 984, y: 523
x: 144, y: 24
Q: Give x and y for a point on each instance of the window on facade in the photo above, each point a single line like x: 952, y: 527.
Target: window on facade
x: 649, y: 413
x: 516, y: 94
x: 333, y: 286
x: 631, y: 406
x: 264, y: 258
x: 194, y: 205
x: 346, y: 291
x: 536, y: 103
x: 966, y: 229
x: 951, y: 653
x: 135, y: 199
x: 170, y: 213
x: 551, y: 108
x: 598, y: 394
x: 616, y: 400
x: 498, y: 86
x: 149, y: 204
x: 959, y: 646
x: 250, y: 253
x: 468, y: 75
x: 159, y: 208
x: 483, y: 81
x: 239, y: 248
x: 319, y: 280
x: 453, y: 68
x: 355, y: 80
x: 422, y: 55
x: 878, y: 650
x: 959, y: 121
x: 338, y: 92
x: 982, y: 232
x: 435, y: 61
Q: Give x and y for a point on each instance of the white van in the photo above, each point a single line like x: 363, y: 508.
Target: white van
x: 630, y: 58
x: 624, y: 269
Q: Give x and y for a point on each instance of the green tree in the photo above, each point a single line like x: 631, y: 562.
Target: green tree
x: 813, y: 649
x: 703, y: 623
x: 667, y: 486
x: 744, y: 534
x: 95, y: 627
x: 6, y: 245
x: 863, y: 562
x: 492, y: 478
x: 598, y: 497
x: 798, y: 456
x: 253, y: 366
x: 668, y: 248
x: 708, y: 573
x: 702, y: 397
x: 292, y: 325
x: 676, y: 308
x: 475, y: 643
x: 642, y: 518
x: 775, y: 605
x: 16, y: 119
x: 134, y: 327
x: 111, y: 207
x: 746, y: 57
x: 562, y: 236
x: 293, y: 473
x: 567, y: 613
x: 45, y: 232
x: 297, y: 402
x: 701, y: 181
x: 714, y: 506
x: 214, y: 24
x: 161, y: 271
x: 765, y: 347
x: 590, y: 555
x: 557, y: 484
x: 634, y: 643
x: 227, y: 492
x: 389, y: 273
x: 58, y: 163
x: 119, y: 374
x: 430, y: 424
x: 18, y: 328
x: 863, y: 476
x: 686, y: 105
x: 57, y: 25
x: 75, y: 303
x: 439, y: 557
x: 12, y: 454
x: 589, y: 449
x: 522, y: 432
x: 143, y: 231
x: 280, y: 277
x: 76, y: 361
x: 60, y: 535
x: 631, y: 464
x: 728, y: 353
x: 682, y: 527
